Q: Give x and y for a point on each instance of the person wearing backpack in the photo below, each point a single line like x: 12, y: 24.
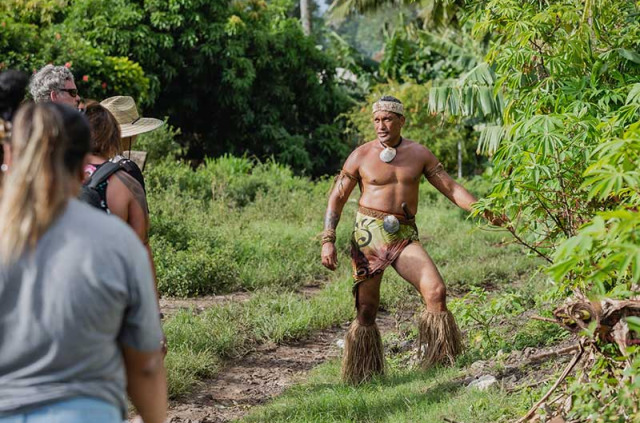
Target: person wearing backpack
x: 112, y: 182
x: 121, y: 189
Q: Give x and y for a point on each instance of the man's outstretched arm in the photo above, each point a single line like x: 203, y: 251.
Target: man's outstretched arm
x: 456, y: 193
x: 439, y: 178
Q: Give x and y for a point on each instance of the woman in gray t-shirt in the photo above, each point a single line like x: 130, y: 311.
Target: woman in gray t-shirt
x: 79, y: 319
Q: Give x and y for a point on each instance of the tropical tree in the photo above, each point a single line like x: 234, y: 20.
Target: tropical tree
x: 432, y: 13
x: 32, y: 35
x: 305, y: 16
x: 560, y: 84
x: 236, y: 76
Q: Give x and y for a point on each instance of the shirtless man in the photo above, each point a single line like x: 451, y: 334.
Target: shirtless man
x: 388, y: 171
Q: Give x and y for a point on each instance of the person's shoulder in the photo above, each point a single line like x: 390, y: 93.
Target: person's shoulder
x: 128, y: 169
x: 357, y: 155
x: 421, y: 153
x: 132, y: 169
x: 417, y: 148
x: 123, y: 183
x: 363, y: 149
x: 414, y: 144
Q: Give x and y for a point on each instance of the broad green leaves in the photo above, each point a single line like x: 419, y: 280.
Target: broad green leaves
x: 566, y: 144
x: 567, y: 157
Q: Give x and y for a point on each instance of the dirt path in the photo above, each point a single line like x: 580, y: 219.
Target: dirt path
x: 259, y: 376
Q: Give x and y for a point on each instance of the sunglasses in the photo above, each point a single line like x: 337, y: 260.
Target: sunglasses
x: 73, y: 92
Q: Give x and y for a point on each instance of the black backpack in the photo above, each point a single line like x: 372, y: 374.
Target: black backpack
x: 89, y: 192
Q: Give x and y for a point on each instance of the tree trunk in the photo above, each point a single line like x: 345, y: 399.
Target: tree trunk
x: 305, y: 16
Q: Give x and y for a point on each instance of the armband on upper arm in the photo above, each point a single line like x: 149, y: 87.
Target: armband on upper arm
x: 436, y: 170
x: 344, y: 174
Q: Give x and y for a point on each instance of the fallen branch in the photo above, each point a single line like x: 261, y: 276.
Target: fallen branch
x: 513, y: 368
x: 559, y: 397
x: 544, y: 319
x: 553, y: 353
x: 564, y: 374
x: 449, y: 420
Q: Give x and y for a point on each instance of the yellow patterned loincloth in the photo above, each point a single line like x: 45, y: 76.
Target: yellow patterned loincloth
x: 372, y: 247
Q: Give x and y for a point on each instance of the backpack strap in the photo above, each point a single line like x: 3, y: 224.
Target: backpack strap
x: 102, y: 174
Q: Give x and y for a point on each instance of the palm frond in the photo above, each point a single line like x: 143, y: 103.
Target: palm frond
x: 340, y: 9
x: 490, y: 138
x: 438, y: 13
x: 434, y: 13
x: 471, y: 95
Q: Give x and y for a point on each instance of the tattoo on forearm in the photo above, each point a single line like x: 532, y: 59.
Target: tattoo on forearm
x: 331, y: 220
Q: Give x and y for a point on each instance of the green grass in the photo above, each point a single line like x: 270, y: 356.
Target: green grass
x: 404, y: 395
x: 217, y: 230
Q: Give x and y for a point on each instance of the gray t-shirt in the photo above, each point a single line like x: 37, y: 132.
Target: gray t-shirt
x: 66, y: 308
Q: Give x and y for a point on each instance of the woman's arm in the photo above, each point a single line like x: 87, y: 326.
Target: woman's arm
x: 146, y: 383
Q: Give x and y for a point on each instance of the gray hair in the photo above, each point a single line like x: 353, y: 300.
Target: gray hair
x: 49, y: 78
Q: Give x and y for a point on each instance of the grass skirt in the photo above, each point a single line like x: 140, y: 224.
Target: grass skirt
x: 439, y: 340
x: 363, y: 353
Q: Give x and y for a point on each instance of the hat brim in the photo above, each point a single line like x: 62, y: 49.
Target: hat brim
x: 141, y: 126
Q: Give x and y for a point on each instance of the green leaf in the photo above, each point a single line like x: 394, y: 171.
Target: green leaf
x: 634, y: 94
x: 635, y: 267
x: 486, y: 100
x: 490, y: 138
x: 634, y: 323
x: 559, y: 270
x: 629, y: 55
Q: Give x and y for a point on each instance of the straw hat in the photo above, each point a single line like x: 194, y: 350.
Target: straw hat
x: 124, y: 109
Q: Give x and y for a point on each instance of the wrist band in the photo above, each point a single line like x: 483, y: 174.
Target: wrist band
x: 329, y: 235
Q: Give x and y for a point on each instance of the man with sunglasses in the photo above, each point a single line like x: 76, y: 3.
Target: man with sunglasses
x: 55, y: 84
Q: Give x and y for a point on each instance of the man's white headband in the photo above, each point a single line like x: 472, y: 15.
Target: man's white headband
x: 388, y: 106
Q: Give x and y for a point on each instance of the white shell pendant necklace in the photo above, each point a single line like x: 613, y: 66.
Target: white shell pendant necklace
x: 389, y: 153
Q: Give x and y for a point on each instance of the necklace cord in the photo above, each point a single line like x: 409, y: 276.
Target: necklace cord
x: 395, y: 146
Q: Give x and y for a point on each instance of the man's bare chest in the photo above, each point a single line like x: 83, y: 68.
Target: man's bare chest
x: 396, y: 172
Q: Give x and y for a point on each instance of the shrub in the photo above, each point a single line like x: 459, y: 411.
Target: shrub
x: 196, y: 270
x: 233, y: 223
x: 160, y: 144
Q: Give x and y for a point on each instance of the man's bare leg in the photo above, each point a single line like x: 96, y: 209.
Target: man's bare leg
x: 415, y: 266
x: 369, y: 300
x: 439, y: 340
x: 363, y: 353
